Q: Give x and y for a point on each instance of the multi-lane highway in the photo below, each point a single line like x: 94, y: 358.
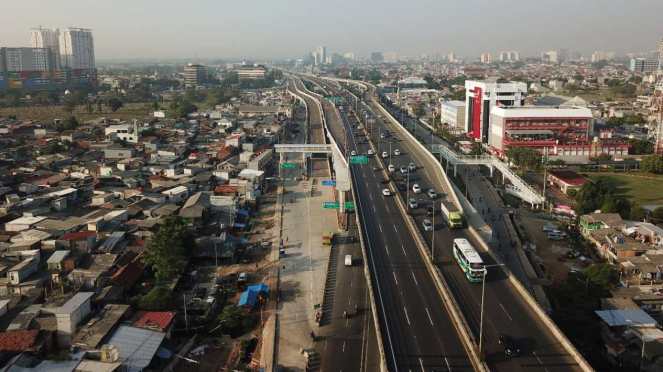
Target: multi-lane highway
x: 505, y: 310
x: 344, y: 344
x: 418, y: 334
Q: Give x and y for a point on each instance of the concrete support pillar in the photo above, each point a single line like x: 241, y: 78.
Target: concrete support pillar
x: 455, y: 169
x: 341, y: 199
x: 491, y: 170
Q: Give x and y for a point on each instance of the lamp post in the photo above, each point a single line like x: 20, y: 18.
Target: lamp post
x: 644, y: 340
x: 586, y: 283
x: 432, y: 246
x: 483, y: 290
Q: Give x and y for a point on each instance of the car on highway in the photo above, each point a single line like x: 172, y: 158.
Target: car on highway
x: 385, y: 154
x: 510, y: 345
x: 353, y: 153
x: 376, y: 168
x: 386, y: 192
x: 416, y: 189
x: 430, y: 211
x: 548, y: 228
x: 432, y: 194
x: 391, y: 168
x: 413, y: 203
x: 360, y: 127
x: 397, y: 152
x: 403, y: 169
x: 384, y: 180
x: 427, y: 225
x: 394, y: 139
x: 371, y: 152
x: 402, y: 186
x: 413, y: 166
x: 363, y: 154
x: 356, y: 134
x: 382, y: 135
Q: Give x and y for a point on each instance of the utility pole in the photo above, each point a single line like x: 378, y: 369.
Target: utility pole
x: 432, y: 246
x: 186, y: 323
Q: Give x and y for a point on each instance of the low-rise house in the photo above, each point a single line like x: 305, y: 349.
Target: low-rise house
x: 176, y: 194
x: 155, y: 320
x: 101, y: 327
x: 71, y: 314
x: 196, y: 208
x: 137, y: 346
x: 82, y: 241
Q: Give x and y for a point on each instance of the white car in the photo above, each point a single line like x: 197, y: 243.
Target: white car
x: 371, y: 152
x: 427, y: 225
x: 386, y: 192
x: 391, y: 168
x: 382, y: 135
x: 403, y: 169
x: 360, y: 127
x: 353, y: 153
x: 413, y: 166
x: 397, y: 152
x: 413, y: 203
x: 385, y: 154
x: 432, y: 194
x: 548, y: 228
x: 416, y: 189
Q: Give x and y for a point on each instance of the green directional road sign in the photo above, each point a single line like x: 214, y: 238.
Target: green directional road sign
x: 358, y: 160
x: 331, y: 205
x: 288, y: 165
x: 349, y: 205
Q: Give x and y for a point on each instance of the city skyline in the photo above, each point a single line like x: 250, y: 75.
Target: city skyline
x: 248, y: 30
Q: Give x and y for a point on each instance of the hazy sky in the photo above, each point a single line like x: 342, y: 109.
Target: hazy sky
x: 257, y: 29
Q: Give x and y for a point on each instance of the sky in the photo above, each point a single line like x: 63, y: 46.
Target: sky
x: 281, y: 29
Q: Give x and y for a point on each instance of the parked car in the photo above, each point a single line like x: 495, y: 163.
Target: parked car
x: 548, y: 228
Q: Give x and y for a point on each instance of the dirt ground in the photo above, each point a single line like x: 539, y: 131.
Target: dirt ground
x: 216, y: 355
x: 548, y: 252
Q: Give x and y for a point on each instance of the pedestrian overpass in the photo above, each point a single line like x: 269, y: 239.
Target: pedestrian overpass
x: 518, y: 186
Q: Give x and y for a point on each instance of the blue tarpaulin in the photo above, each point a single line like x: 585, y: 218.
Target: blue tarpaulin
x: 248, y: 297
x: 259, y: 288
x: 243, y: 211
x: 239, y: 225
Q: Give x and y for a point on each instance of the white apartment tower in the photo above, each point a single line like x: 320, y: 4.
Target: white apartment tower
x: 47, y: 38
x: 26, y: 59
x: 486, y: 58
x: 76, y: 48
x: 512, y: 56
x: 321, y: 53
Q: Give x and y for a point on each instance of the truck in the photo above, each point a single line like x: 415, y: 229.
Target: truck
x: 452, y: 216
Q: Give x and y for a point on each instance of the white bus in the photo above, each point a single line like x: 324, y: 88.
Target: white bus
x: 469, y: 260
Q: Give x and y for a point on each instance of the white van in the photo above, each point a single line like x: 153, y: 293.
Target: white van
x: 348, y: 260
x: 555, y: 236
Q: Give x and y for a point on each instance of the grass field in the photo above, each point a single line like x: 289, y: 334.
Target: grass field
x: 49, y: 113
x: 643, y: 188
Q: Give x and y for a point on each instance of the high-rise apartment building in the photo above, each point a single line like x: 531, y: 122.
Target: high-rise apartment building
x: 644, y: 64
x: 321, y: 55
x: 599, y: 55
x: 486, y: 58
x: 47, y: 38
x: 194, y: 74
x: 550, y: 56
x: 563, y: 55
x: 26, y: 59
x: 390, y: 57
x: 506, y: 56
x: 376, y: 57
x: 451, y: 56
x: 76, y: 48
x: 349, y: 57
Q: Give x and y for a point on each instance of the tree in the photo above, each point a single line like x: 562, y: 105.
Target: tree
x: 572, y: 87
x: 638, y: 213
x: 604, y: 276
x: 155, y: 105
x: 159, y: 299
x: 114, y: 104
x: 614, y: 83
x: 419, y: 110
x: 635, y: 79
x: 627, y: 90
x: 88, y: 106
x: 166, y: 251
x: 98, y: 105
x: 641, y: 146
x: 69, y: 123
x: 180, y: 109
x: 525, y: 157
x: 68, y: 105
x: 652, y: 163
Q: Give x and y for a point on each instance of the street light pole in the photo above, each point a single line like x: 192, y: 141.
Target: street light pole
x: 483, y: 290
x: 432, y: 246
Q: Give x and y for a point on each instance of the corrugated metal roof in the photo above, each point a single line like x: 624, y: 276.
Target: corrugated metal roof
x: 57, y: 256
x: 137, y: 345
x: 75, y: 302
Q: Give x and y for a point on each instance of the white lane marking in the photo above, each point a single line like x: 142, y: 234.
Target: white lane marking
x: 395, y: 229
x: 407, y: 317
x: 507, y: 314
x: 429, y: 318
x: 380, y: 226
x: 393, y: 272
x: 448, y: 366
x: 415, y: 281
x: 366, y: 184
x: 371, y: 196
x: 421, y: 363
x: 374, y: 210
x: 403, y: 248
x: 386, y: 249
x: 325, y: 345
x: 344, y: 346
x: 387, y: 208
